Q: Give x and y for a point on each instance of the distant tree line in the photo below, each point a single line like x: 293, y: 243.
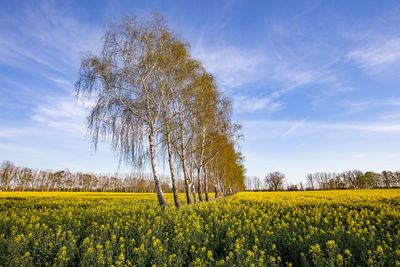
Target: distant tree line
x: 273, y: 181
x: 354, y: 179
x: 14, y: 178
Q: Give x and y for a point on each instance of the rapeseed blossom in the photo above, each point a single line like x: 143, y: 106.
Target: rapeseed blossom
x: 324, y: 228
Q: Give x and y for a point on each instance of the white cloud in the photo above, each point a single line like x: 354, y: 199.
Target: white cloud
x: 251, y: 104
x: 287, y: 78
x: 236, y: 66
x: 65, y: 84
x: 281, y: 73
x: 233, y: 66
x: 47, y: 35
x: 359, y: 106
x: 283, y: 125
x: 61, y: 112
x: 294, y: 127
x: 17, y: 148
x: 379, y: 52
x: 391, y: 115
x: 7, y: 133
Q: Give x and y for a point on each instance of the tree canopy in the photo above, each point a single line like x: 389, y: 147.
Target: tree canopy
x: 149, y: 93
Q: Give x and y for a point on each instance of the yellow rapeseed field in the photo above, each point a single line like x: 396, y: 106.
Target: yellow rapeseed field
x: 319, y: 228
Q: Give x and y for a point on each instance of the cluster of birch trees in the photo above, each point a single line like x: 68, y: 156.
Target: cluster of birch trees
x: 154, y: 102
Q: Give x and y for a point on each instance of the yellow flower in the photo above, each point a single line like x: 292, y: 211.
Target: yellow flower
x: 172, y: 258
x: 379, y: 250
x: 331, y: 244
x: 121, y: 257
x: 315, y: 249
x: 339, y: 259
x: 210, y: 255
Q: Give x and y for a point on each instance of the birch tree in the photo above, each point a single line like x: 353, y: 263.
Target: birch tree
x: 124, y: 84
x: 182, y: 132
x: 173, y: 79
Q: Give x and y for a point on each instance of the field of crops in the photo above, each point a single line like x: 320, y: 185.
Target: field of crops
x: 327, y: 228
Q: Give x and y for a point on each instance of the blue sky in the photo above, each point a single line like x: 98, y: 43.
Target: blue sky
x: 315, y: 83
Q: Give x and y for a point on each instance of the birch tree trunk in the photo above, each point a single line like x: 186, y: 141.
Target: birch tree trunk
x: 183, y: 160
x: 192, y: 178
x: 200, y: 168
x: 206, y: 183
x: 194, y: 192
x: 199, y: 183
x: 160, y: 195
x: 172, y: 171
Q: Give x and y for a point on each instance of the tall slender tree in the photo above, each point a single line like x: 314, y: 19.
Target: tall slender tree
x: 125, y: 83
x: 172, y: 80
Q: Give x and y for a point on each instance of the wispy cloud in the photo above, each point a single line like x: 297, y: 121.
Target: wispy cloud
x: 378, y: 52
x: 294, y: 127
x: 65, y: 84
x: 359, y: 106
x: 281, y: 72
x: 17, y: 148
x: 232, y: 65
x: 48, y: 35
x: 310, y: 125
x: 8, y: 133
x: 371, y: 127
x: 251, y: 104
x: 61, y: 112
x: 235, y: 67
x: 391, y: 115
